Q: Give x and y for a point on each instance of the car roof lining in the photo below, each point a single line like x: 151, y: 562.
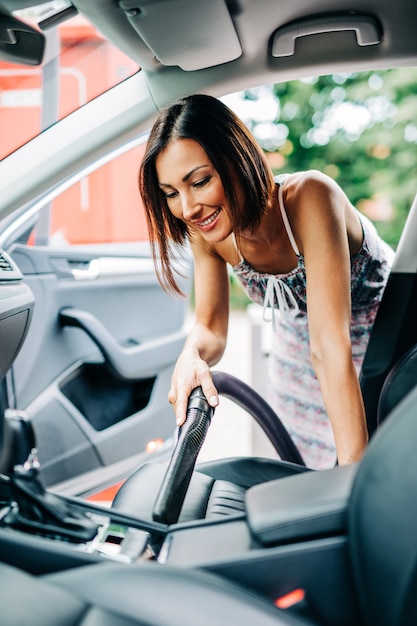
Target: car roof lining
x: 255, y: 24
x: 243, y: 55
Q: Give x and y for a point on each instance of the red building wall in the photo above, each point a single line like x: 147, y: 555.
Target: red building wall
x: 106, y: 206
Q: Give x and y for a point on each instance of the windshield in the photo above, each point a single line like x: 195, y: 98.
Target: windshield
x: 34, y: 98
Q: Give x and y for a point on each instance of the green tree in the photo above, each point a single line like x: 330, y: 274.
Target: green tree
x: 360, y: 128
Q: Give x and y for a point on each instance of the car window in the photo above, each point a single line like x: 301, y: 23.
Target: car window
x: 104, y: 207
x: 33, y: 98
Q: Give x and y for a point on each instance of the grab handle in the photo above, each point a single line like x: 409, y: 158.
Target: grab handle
x: 367, y: 29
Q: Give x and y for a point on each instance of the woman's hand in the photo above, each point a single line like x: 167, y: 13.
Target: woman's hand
x: 190, y: 372
x: 206, y: 341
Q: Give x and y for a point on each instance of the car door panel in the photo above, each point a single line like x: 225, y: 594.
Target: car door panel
x: 95, y: 369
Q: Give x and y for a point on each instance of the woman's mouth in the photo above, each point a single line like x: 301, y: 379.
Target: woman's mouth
x: 209, y: 220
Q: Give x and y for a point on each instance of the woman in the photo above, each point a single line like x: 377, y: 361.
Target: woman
x: 297, y: 245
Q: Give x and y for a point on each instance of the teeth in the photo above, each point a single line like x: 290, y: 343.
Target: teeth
x: 210, y: 219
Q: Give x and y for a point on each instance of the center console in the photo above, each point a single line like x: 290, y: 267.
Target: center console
x: 293, y: 528
x: 288, y: 511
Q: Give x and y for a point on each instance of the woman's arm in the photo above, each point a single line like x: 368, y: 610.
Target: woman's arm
x: 206, y: 342
x: 326, y: 226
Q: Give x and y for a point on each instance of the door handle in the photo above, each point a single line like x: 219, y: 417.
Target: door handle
x: 109, y: 267
x: 367, y: 29
x: 131, y: 363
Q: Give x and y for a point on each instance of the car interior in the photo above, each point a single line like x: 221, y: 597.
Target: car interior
x: 245, y: 540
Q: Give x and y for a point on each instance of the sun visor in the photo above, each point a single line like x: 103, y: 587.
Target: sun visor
x: 192, y: 35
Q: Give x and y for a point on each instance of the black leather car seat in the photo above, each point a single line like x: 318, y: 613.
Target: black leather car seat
x: 381, y: 521
x: 399, y: 382
x: 127, y: 595
x: 218, y: 488
x: 381, y: 540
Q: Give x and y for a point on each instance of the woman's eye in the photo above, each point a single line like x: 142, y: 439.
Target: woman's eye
x: 168, y: 195
x: 202, y: 182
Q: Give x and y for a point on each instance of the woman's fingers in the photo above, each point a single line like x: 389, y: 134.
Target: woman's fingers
x: 179, y: 393
x: 209, y: 389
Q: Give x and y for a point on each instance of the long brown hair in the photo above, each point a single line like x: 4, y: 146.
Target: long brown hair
x: 230, y: 147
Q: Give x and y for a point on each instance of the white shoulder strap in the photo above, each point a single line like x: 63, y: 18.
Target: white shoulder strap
x: 237, y: 249
x: 286, y: 222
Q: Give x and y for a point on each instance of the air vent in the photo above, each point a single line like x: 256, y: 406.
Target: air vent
x: 8, y: 269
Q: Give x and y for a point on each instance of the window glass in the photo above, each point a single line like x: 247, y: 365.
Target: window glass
x: 33, y: 98
x: 104, y: 207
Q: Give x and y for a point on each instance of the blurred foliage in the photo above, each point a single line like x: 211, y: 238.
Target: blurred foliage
x: 360, y: 128
x: 238, y: 297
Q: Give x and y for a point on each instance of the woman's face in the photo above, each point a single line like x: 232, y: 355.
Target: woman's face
x: 193, y: 189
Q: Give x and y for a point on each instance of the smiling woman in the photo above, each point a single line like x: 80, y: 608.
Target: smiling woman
x: 193, y: 186
x: 210, y: 183
x: 223, y: 145
x: 273, y: 196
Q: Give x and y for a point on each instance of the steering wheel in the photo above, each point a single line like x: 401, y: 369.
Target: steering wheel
x: 174, y: 486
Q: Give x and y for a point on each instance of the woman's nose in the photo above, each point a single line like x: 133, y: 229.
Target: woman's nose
x: 190, y: 209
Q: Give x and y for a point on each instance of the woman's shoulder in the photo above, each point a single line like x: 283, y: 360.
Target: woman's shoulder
x: 307, y: 182
x: 308, y: 178
x: 309, y: 185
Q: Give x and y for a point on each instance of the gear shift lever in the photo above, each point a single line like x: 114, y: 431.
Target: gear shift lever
x: 33, y: 508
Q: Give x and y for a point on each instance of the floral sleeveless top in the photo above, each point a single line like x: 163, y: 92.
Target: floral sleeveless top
x: 294, y: 391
